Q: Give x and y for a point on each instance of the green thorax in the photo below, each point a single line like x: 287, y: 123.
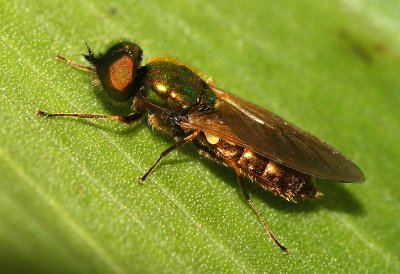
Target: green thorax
x: 172, y: 85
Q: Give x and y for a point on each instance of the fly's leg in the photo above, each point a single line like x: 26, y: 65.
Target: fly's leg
x: 178, y: 144
x: 73, y: 64
x: 246, y: 195
x: 125, y: 119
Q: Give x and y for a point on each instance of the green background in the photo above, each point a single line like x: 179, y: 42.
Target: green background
x: 69, y: 201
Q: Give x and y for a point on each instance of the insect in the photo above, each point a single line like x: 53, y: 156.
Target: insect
x: 254, y: 142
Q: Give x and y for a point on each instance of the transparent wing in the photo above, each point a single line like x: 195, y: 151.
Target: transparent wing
x: 261, y: 131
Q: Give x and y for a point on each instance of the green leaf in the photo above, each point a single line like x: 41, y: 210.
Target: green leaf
x: 69, y: 201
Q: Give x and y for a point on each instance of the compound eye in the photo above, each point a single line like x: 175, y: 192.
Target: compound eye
x: 117, y: 70
x: 120, y: 73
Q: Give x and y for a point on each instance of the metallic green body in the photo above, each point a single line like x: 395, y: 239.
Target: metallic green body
x: 175, y: 86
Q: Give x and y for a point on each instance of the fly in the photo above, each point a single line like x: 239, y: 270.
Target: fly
x: 254, y: 142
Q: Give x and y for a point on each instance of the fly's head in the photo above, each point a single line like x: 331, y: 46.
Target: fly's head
x: 117, y: 70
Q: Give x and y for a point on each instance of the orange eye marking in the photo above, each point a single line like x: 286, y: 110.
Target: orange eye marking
x: 121, y: 73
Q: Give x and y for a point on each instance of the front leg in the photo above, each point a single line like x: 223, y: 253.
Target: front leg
x: 74, y: 64
x: 125, y: 119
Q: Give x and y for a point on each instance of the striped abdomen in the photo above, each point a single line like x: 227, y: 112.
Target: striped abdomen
x: 285, y: 182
